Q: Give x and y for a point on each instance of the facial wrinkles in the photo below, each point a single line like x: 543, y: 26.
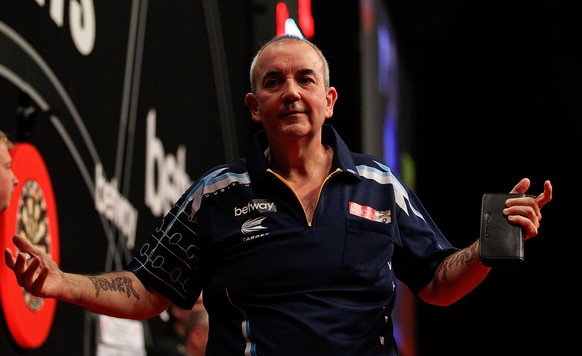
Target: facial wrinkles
x: 291, y: 64
x: 290, y: 61
x: 292, y: 107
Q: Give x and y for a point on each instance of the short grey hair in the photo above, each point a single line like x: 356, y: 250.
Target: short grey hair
x: 326, y: 80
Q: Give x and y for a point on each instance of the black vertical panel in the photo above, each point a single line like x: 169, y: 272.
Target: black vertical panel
x: 337, y: 30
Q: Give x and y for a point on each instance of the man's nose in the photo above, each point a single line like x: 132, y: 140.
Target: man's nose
x: 291, y: 90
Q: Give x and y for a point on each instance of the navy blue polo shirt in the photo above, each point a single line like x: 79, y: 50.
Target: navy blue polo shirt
x: 276, y: 285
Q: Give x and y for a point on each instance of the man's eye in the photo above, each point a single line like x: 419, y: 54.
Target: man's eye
x: 271, y: 83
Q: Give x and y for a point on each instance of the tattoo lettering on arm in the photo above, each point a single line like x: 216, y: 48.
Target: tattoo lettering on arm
x: 462, y: 257
x: 115, y: 284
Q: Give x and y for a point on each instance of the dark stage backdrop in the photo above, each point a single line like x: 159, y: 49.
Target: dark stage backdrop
x: 496, y: 95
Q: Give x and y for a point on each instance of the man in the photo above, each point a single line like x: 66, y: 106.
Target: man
x: 196, y: 333
x: 297, y: 246
x: 172, y: 341
x: 7, y: 178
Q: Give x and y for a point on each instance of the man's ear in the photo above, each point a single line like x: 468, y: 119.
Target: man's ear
x: 330, y: 99
x: 251, y: 102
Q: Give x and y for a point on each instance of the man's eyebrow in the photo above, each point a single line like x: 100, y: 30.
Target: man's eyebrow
x: 304, y: 71
x: 307, y: 71
x: 272, y: 73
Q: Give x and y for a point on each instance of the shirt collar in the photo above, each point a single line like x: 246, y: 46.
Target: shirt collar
x: 258, y: 163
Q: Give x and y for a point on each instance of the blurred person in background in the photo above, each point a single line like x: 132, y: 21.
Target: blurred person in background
x: 196, y: 333
x: 8, y: 179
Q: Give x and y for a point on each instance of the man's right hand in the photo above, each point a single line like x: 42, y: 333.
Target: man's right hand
x: 35, y: 270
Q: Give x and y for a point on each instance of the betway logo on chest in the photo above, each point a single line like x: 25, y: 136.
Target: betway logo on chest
x: 259, y: 205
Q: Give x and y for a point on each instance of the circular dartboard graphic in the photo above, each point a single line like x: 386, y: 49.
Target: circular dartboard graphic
x: 32, y: 213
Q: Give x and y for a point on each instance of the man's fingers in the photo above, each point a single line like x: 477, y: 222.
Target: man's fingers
x: 20, y: 261
x: 31, y: 269
x: 521, y: 187
x: 23, y: 244
x: 39, y: 281
x: 546, y: 196
x: 9, y: 258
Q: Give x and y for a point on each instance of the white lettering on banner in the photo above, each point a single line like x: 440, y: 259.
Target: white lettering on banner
x: 114, y: 206
x: 255, y: 204
x: 168, y: 171
x: 81, y: 20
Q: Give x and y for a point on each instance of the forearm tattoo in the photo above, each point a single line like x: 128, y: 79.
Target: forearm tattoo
x: 115, y: 284
x: 462, y: 257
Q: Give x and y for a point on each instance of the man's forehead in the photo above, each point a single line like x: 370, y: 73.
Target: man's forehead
x: 289, y: 46
x: 287, y: 53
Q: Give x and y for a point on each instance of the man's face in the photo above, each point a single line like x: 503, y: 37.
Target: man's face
x: 291, y: 98
x: 7, y: 178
